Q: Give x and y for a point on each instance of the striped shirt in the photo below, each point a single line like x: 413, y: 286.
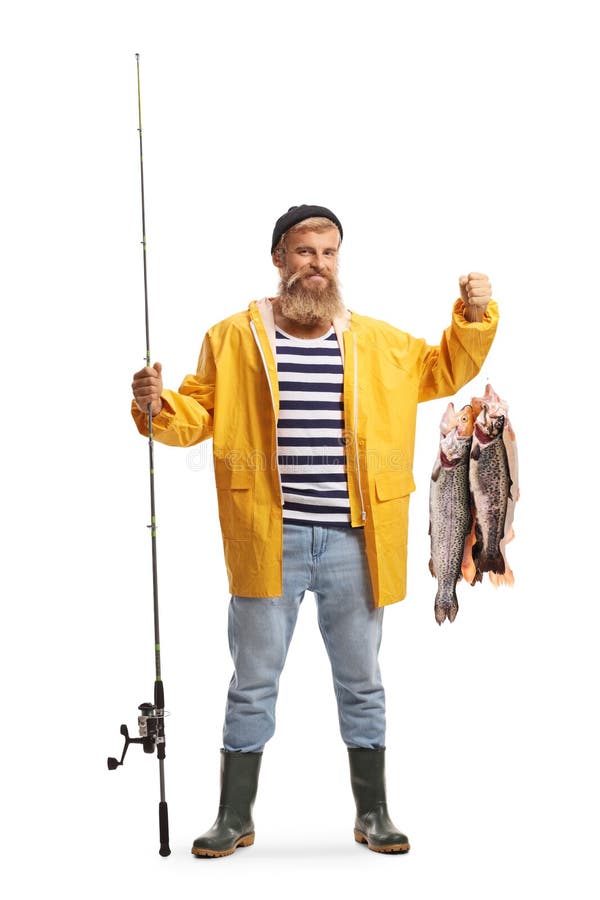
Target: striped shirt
x: 310, y: 442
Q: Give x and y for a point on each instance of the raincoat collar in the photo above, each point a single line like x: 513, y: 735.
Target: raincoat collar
x: 263, y: 310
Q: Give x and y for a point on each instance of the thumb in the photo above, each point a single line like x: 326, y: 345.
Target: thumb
x: 157, y: 367
x: 463, y: 280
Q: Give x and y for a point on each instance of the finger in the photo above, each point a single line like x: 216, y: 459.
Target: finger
x: 146, y: 384
x: 158, y: 367
x: 146, y: 372
x: 479, y: 286
x: 146, y: 395
x: 139, y: 384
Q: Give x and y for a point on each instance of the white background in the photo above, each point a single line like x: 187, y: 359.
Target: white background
x: 448, y: 137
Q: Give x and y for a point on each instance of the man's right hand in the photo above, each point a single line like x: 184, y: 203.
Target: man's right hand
x: 147, y: 387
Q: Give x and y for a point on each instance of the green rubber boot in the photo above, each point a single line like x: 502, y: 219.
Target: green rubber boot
x: 233, y: 826
x: 373, y: 825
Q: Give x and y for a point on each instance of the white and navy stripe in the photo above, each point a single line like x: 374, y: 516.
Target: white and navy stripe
x: 311, y: 452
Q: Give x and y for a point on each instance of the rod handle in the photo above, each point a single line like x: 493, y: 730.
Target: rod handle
x: 163, y: 825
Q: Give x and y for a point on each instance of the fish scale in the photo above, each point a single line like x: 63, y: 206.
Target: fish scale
x: 490, y: 489
x: 450, y: 522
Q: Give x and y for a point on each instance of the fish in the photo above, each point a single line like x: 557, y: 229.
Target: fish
x: 450, y: 512
x: 490, y: 486
x: 500, y: 407
x: 510, y: 445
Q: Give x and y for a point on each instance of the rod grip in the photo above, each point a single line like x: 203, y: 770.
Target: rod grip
x: 163, y: 825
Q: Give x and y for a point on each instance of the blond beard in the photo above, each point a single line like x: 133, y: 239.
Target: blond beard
x: 309, y: 305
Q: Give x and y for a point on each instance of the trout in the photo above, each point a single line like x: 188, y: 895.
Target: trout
x: 490, y: 481
x: 450, y: 508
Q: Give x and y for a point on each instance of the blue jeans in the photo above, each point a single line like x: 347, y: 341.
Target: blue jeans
x: 331, y: 562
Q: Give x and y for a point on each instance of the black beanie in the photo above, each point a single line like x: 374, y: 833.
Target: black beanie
x: 297, y: 214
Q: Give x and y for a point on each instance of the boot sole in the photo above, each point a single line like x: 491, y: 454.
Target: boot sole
x: 360, y: 838
x: 246, y: 841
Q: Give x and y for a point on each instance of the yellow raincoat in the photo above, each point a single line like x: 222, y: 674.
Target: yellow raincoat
x: 234, y: 398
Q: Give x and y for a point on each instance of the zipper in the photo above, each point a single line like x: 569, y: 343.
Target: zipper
x: 262, y: 356
x: 363, y: 514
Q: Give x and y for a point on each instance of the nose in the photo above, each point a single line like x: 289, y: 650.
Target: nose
x: 319, y: 262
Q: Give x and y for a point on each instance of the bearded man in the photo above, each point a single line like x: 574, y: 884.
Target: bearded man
x: 312, y: 412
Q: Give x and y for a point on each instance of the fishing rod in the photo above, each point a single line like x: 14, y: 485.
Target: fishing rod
x: 151, y: 721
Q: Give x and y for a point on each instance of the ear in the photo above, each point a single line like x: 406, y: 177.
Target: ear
x: 276, y: 256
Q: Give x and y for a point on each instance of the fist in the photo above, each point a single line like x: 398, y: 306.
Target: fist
x: 476, y: 291
x: 147, y: 387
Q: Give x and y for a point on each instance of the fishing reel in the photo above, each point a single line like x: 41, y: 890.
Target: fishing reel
x: 152, y: 733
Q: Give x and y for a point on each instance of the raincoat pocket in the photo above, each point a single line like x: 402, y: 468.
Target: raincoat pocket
x: 392, y: 490
x: 235, y: 495
x: 390, y: 485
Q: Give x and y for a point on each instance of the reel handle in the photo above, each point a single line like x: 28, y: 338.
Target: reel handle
x: 163, y: 828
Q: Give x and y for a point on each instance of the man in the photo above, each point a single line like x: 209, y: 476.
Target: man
x: 312, y: 412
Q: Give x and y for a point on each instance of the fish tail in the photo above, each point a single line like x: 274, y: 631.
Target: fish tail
x: 507, y: 578
x: 492, y: 563
x: 453, y: 607
x: 445, y: 607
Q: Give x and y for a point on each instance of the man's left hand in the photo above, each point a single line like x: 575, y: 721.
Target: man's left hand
x: 476, y: 291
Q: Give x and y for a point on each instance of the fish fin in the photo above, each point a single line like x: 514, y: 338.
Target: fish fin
x: 445, y: 608
x: 475, y: 451
x: 467, y: 566
x: 448, y: 420
x: 507, y: 579
x: 436, y: 470
x: 494, y: 564
x: 431, y: 568
x: 453, y: 608
x: 478, y: 545
x: 476, y: 404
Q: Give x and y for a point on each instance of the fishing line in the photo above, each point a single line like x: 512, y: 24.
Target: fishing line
x: 151, y: 721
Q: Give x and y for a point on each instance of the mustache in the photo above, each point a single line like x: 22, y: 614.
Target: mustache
x: 307, y: 270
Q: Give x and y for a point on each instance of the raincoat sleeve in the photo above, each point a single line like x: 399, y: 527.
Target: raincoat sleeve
x: 187, y: 414
x: 460, y: 354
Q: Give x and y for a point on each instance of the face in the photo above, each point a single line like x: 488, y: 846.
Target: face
x: 311, y: 257
x: 308, y: 290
